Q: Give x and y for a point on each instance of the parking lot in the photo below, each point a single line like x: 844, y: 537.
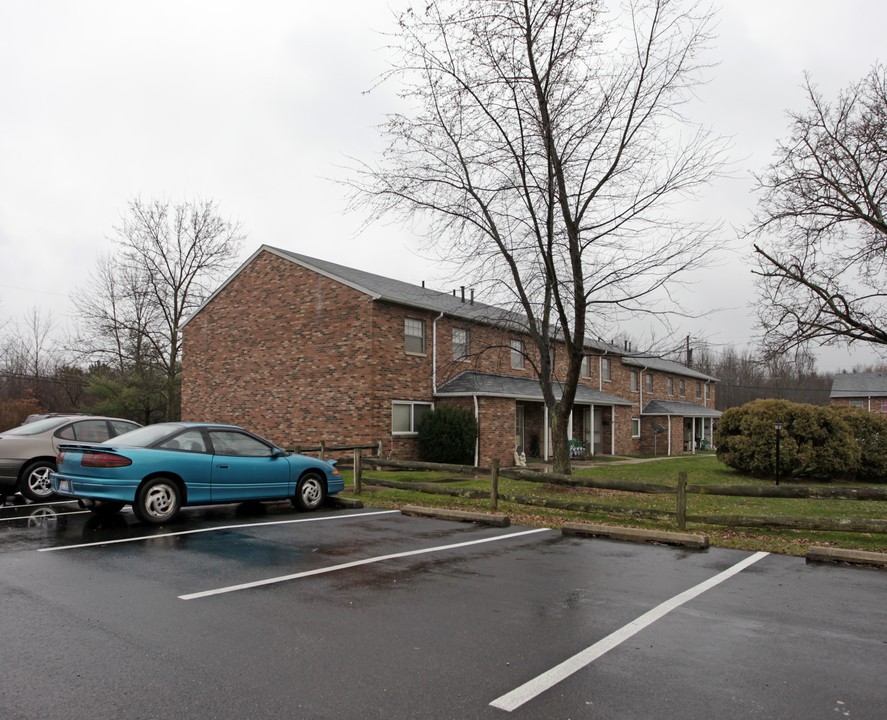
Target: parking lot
x: 254, y: 611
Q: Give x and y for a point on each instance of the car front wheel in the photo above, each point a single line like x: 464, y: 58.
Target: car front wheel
x: 35, y: 484
x: 157, y: 501
x: 309, y: 492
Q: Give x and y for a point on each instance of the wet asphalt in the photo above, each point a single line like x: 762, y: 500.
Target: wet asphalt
x: 258, y: 611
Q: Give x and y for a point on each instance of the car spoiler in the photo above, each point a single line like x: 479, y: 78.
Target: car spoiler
x: 86, y: 446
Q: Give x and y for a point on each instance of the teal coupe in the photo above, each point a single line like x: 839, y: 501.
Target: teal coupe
x: 158, y: 469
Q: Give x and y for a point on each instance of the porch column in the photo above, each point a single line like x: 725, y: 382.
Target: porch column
x: 545, y: 432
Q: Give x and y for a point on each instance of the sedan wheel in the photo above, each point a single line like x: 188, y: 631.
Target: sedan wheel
x: 157, y: 501
x: 35, y: 484
x: 309, y: 492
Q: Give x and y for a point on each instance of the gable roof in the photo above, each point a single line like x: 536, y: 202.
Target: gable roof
x: 846, y: 385
x: 405, y: 294
x: 666, y: 366
x: 471, y: 383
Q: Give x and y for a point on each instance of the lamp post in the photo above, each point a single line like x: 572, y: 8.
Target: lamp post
x: 778, y: 426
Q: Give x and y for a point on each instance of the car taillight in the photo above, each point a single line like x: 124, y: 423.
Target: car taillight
x: 59, y: 458
x: 104, y: 460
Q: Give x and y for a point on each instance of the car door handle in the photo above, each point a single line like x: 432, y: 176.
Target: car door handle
x: 222, y: 466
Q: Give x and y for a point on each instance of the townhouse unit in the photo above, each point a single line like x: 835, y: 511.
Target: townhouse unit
x: 864, y: 390
x: 300, y: 350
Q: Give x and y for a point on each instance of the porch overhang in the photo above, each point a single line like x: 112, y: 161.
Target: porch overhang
x: 477, y: 384
x: 679, y: 408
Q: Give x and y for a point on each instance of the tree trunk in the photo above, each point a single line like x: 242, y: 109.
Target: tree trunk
x: 560, y: 441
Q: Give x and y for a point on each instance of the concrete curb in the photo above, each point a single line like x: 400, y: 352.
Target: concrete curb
x: 695, y: 542
x: 816, y: 553
x: 343, y: 502
x: 496, y: 520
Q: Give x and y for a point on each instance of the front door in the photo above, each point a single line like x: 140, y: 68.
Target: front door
x: 519, y: 428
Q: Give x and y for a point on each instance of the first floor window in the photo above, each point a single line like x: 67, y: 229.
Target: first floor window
x: 857, y: 403
x: 635, y: 427
x: 414, y: 336
x: 405, y: 416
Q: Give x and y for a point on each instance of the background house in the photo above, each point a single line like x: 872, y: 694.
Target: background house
x: 301, y: 349
x: 865, y: 390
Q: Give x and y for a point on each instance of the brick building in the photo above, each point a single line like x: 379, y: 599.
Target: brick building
x: 300, y: 349
x: 864, y: 390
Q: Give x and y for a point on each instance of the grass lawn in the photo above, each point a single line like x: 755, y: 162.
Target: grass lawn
x: 701, y: 469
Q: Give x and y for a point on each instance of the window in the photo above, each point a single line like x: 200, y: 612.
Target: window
x: 405, y: 416
x: 585, y: 367
x: 634, y: 380
x: 190, y: 440
x: 605, y: 369
x: 884, y: 406
x: 517, y: 353
x: 860, y: 403
x: 683, y: 388
x: 649, y: 382
x: 669, y: 383
x: 86, y: 430
x: 699, y: 389
x: 460, y: 344
x: 635, y: 427
x: 414, y: 336
x: 235, y: 444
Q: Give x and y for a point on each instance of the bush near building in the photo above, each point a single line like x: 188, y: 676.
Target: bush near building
x: 448, y: 434
x: 815, y: 442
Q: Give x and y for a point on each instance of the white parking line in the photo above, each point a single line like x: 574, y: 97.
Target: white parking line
x: 529, y: 690
x: 216, y: 529
x: 356, y: 563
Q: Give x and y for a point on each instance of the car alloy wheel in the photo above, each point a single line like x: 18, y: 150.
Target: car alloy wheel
x: 309, y: 492
x: 157, y: 501
x: 36, y: 484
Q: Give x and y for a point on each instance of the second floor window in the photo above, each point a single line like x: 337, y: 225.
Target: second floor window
x: 414, y: 336
x: 460, y: 344
x: 605, y: 369
x: 699, y: 389
x: 670, y: 385
x: 648, y: 378
x: 517, y: 353
x: 585, y: 368
x: 683, y: 388
x: 634, y: 380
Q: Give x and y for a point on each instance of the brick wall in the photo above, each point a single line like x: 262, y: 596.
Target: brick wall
x: 299, y: 357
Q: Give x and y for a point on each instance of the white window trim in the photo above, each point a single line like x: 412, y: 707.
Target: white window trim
x: 518, y: 351
x: 412, y: 403
x: 637, y: 422
x: 464, y: 357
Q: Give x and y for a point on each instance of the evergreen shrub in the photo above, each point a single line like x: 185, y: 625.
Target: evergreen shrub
x: 448, y: 434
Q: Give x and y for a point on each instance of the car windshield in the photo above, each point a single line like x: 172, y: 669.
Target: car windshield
x: 35, y: 428
x: 144, y: 436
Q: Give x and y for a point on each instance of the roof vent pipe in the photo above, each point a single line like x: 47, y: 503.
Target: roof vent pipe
x: 463, y: 292
x: 472, y: 296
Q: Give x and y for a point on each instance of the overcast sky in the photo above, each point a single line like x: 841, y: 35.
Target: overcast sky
x: 254, y: 104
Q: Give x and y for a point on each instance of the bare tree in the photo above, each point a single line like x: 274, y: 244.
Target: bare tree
x: 822, y: 234
x: 169, y: 259
x: 544, y: 151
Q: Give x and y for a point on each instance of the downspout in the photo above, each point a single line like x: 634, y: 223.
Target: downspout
x: 477, y: 440
x: 434, y: 354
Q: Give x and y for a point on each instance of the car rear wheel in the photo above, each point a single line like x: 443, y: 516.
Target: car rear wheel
x: 35, y: 483
x: 157, y: 501
x: 310, y: 492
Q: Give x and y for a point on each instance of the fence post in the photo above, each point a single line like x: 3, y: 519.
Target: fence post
x: 357, y: 471
x: 682, y: 501
x: 494, y: 485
